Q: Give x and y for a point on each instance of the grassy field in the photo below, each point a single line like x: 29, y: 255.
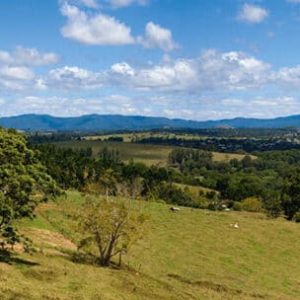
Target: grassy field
x: 193, y: 254
x: 148, y: 154
x: 195, y: 190
x: 129, y: 137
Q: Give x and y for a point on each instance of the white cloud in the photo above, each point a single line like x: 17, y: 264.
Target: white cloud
x: 90, y: 3
x: 122, y: 69
x: 96, y: 4
x: 40, y: 84
x: 289, y: 77
x: 15, y: 78
x: 28, y: 57
x: 158, y: 37
x: 101, y: 29
x: 125, y: 3
x: 68, y: 106
x: 73, y: 78
x: 252, y: 14
x: 212, y: 86
x: 199, y: 108
x: 209, y: 72
x: 98, y: 29
x: 16, y: 68
x: 212, y: 71
x: 5, y: 57
x: 21, y: 73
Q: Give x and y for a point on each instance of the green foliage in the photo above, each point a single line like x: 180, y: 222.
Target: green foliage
x: 71, y: 169
x: 252, y: 204
x: 272, y: 205
x: 23, y: 183
x: 296, y: 217
x: 174, y: 195
x: 235, y: 179
x: 108, y: 227
x: 237, y: 206
x: 291, y: 194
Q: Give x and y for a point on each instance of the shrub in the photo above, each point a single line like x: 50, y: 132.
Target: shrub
x: 273, y: 207
x: 237, y: 206
x: 252, y: 204
x: 108, y: 227
x: 297, y: 217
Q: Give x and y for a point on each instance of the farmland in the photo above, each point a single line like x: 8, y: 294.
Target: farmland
x: 148, y: 154
x: 231, y: 235
x: 194, y: 254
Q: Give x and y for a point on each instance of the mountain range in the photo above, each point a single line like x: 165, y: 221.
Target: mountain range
x: 33, y: 122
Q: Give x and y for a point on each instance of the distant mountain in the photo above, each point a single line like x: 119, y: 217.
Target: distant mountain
x: 118, y: 122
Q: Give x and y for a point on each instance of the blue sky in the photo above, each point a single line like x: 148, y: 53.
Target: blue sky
x: 192, y: 59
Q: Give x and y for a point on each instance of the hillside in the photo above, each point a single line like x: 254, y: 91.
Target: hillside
x: 118, y: 122
x: 194, y: 254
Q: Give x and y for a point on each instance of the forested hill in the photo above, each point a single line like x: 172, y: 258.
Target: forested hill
x: 119, y: 122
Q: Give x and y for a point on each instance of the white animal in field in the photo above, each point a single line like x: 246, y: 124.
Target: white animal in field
x: 174, y: 209
x: 235, y: 225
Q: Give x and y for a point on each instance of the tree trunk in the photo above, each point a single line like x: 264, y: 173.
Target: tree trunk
x: 120, y: 259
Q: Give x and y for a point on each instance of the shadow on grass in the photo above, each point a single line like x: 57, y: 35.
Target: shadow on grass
x: 89, y: 259
x: 8, y: 258
x: 214, y: 286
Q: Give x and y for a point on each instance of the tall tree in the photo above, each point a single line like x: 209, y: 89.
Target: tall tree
x: 23, y: 183
x: 291, y: 194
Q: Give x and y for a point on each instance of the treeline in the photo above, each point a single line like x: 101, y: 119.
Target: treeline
x: 106, y: 174
x: 261, y: 133
x: 268, y: 182
x: 236, y: 145
x: 232, y: 132
x: 51, y: 137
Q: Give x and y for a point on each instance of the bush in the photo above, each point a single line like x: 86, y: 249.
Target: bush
x: 273, y: 207
x: 297, y: 217
x: 252, y: 204
x: 108, y: 227
x: 237, y: 206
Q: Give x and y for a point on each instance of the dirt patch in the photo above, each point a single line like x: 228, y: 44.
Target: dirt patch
x: 46, y: 206
x: 50, y: 238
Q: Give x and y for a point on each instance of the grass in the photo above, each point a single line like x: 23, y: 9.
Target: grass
x: 129, y: 137
x: 193, y: 254
x: 148, y: 154
x: 194, y: 190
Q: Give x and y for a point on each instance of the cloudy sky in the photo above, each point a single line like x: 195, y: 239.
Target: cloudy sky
x: 191, y: 59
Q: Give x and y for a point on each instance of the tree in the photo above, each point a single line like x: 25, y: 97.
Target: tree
x: 272, y: 204
x: 108, y: 181
x: 132, y: 174
x: 23, y: 183
x: 252, y: 204
x: 108, y: 227
x: 291, y: 194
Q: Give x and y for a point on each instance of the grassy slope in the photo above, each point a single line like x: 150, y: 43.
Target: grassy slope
x: 193, y: 254
x: 148, y: 154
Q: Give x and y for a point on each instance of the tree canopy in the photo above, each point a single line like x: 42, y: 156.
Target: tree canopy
x: 23, y: 183
x: 108, y: 227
